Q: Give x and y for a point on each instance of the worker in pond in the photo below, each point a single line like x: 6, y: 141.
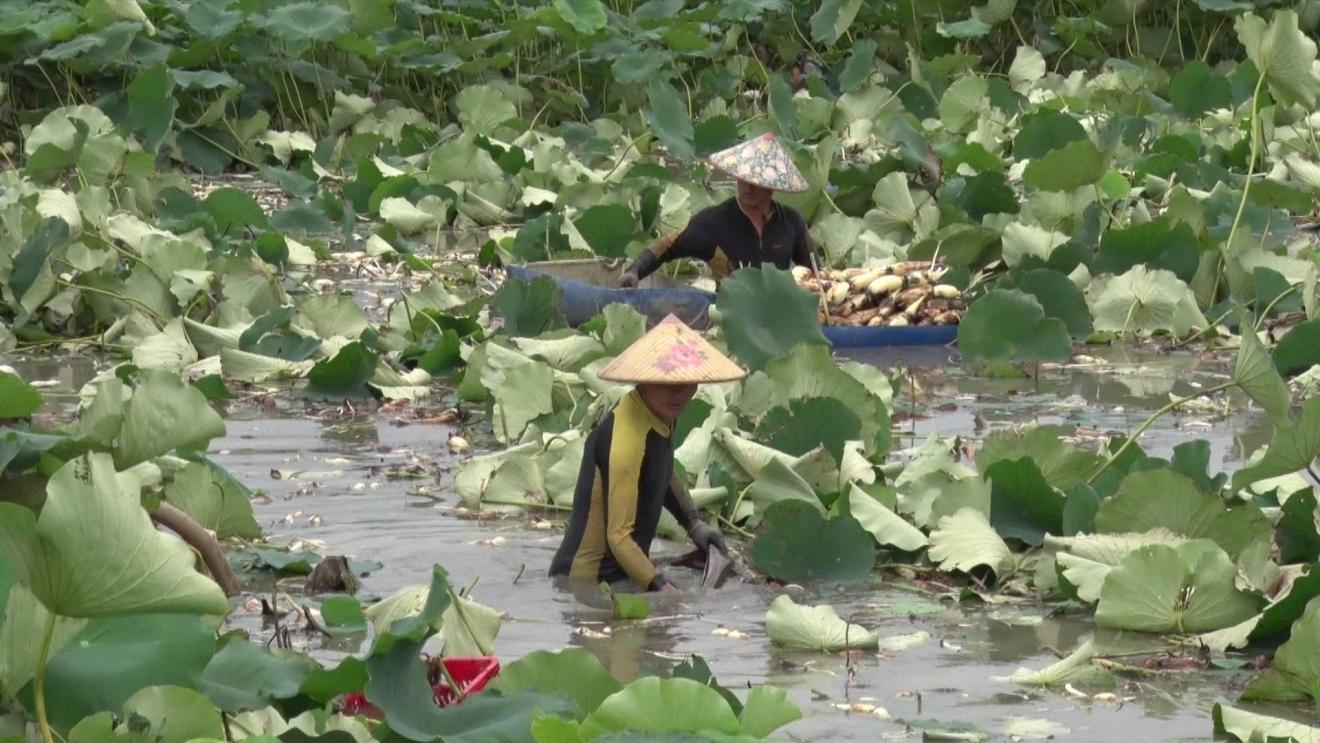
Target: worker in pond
x: 747, y: 230
x: 627, y: 472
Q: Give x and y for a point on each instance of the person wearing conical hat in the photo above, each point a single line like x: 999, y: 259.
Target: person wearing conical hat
x: 627, y: 474
x: 746, y: 230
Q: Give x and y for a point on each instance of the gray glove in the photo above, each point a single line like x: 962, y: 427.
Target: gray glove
x: 628, y: 280
x: 706, y: 536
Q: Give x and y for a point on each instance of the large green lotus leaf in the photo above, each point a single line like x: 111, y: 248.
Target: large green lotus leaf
x: 329, y: 315
x: 1085, y: 560
x: 344, y: 375
x: 1075, y: 668
x: 1063, y: 465
x: 1145, y: 301
x: 1250, y: 726
x: 1045, y: 131
x: 529, y: 308
x: 1023, y: 241
x: 888, y: 528
x: 568, y: 353
x: 1059, y: 297
x: 585, y: 16
x: 399, y: 687
x: 966, y: 540
x: 1295, y: 675
x: 832, y: 19
x: 1296, y: 531
x: 668, y: 115
x: 1197, y: 89
x: 1164, y: 499
x: 18, y: 399
x: 243, y: 676
x: 607, y: 228
x: 1254, y: 374
x: 1010, y: 325
x: 1283, y: 54
x: 1275, y: 621
x: 175, y: 715
x: 934, y: 496
x: 308, y: 21
x: 1023, y: 505
x: 483, y: 108
x: 782, y: 107
x: 24, y: 619
x: 165, y: 414
x: 113, y: 658
x: 214, y: 499
x: 95, y: 553
x: 963, y: 103
x: 1299, y: 350
x: 755, y: 336
x: 809, y: 371
x: 169, y: 350
x: 797, y: 544
x: 407, y: 217
x: 1292, y: 448
x: 524, y: 395
x: 623, y: 325
x: 1189, y: 588
x: 469, y: 629
x: 657, y: 705
x: 256, y: 368
x: 1068, y: 168
x: 814, y: 628
x: 807, y: 423
x: 572, y: 672
x: 1157, y: 244
x: 767, y: 709
x: 775, y: 482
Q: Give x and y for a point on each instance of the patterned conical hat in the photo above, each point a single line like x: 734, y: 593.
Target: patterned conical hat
x: 762, y: 161
x: 672, y: 353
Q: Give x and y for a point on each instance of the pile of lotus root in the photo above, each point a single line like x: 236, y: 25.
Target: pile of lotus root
x: 897, y: 295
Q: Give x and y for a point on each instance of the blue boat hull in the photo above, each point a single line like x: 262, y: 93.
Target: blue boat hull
x: 583, y: 301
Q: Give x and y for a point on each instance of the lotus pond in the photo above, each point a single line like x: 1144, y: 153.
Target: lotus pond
x: 278, y: 438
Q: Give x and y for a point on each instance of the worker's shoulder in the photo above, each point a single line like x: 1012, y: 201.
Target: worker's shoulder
x: 716, y: 213
x: 791, y: 215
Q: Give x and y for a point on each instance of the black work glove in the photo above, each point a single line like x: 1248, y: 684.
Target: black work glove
x: 661, y: 583
x: 706, y: 536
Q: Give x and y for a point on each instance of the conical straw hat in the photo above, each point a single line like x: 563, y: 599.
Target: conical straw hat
x: 672, y: 353
x: 762, y: 161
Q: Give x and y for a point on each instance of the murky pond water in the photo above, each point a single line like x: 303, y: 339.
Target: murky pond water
x: 329, y: 477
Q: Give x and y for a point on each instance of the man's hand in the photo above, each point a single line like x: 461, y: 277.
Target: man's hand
x: 628, y: 280
x: 706, y: 536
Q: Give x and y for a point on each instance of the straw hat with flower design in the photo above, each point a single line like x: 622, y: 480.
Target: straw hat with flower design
x: 762, y: 161
x: 672, y: 353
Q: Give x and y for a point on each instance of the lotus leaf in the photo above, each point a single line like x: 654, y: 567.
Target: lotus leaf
x: 1254, y: 374
x: 1063, y: 465
x: 1299, y: 350
x: 214, y: 499
x: 18, y: 399
x: 175, y: 714
x: 1296, y: 530
x: 1075, y: 668
x: 76, y: 558
x: 669, y: 118
x: 1292, y: 448
x: 1067, y: 168
x: 244, y: 676
x: 1188, y: 588
x: 888, y: 528
x: 755, y: 337
x: 25, y: 618
x: 572, y: 672
x: 797, y: 544
x: 344, y: 375
x: 656, y: 705
x: 966, y: 540
x: 1249, y: 726
x: 1008, y: 325
x: 1164, y: 499
x: 1283, y: 54
x: 1145, y: 301
x: 775, y: 482
x: 814, y: 628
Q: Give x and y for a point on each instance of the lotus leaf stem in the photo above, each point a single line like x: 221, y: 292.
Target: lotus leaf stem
x: 199, y: 539
x: 1251, y: 162
x: 1151, y: 421
x: 463, y: 617
x: 39, y: 680
x: 1260, y: 321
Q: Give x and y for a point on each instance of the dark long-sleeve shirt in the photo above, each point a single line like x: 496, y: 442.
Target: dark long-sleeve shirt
x: 725, y: 238
x: 626, y: 478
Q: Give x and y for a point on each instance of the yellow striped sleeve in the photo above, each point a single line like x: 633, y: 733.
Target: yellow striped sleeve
x: 627, y: 445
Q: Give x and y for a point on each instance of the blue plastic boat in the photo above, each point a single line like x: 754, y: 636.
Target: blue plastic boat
x: 588, y: 287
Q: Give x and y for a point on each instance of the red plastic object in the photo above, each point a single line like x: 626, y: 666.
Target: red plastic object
x: 471, y: 675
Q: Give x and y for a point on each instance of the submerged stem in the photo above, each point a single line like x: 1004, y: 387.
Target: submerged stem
x: 1151, y: 421
x: 39, y: 680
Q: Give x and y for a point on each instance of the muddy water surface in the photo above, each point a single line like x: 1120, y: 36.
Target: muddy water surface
x: 330, y: 478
